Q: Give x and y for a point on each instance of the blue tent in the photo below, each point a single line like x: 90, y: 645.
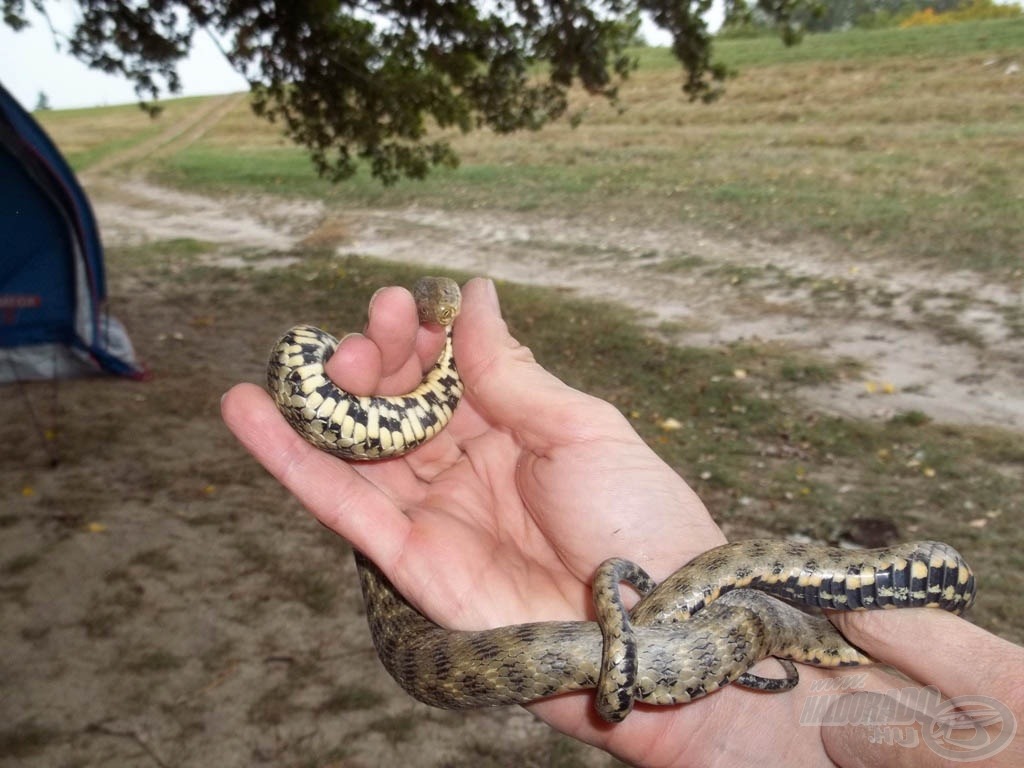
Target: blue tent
x: 53, y: 317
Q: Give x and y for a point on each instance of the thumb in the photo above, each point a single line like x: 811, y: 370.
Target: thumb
x: 960, y: 658
x: 511, y: 389
x: 969, y: 711
x: 866, y: 729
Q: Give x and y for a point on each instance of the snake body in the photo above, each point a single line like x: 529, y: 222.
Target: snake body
x: 366, y: 427
x: 701, y: 628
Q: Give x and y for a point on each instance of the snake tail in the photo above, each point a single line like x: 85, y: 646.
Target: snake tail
x: 927, y: 574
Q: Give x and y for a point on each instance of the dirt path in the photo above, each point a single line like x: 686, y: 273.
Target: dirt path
x: 176, y: 136
x: 948, y: 344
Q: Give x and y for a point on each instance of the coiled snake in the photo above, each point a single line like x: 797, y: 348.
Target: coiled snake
x: 701, y: 628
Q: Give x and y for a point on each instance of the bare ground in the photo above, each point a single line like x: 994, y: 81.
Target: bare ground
x: 159, y: 604
x: 165, y: 603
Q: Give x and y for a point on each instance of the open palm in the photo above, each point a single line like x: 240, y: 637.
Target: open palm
x: 504, y: 517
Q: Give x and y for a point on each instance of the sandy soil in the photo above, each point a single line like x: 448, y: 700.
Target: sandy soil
x: 948, y: 344
x: 166, y: 604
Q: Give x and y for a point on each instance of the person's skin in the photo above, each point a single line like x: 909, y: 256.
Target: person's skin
x: 505, y: 516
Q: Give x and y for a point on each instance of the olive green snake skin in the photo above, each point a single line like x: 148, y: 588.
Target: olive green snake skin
x: 700, y: 629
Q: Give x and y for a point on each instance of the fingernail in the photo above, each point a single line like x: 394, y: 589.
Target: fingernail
x: 491, y: 295
x: 369, y: 307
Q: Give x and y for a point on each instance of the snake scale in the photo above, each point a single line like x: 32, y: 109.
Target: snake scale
x: 700, y: 629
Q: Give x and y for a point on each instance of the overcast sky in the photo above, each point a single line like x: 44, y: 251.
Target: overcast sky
x: 30, y: 65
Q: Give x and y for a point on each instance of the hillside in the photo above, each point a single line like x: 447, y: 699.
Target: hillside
x: 877, y: 141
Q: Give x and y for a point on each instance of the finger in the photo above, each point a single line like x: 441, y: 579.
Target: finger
x: 390, y: 358
x: 355, y: 365
x: 366, y: 364
x: 916, y: 727
x: 430, y: 340
x: 881, y: 732
x: 393, y: 326
x: 961, y: 658
x: 511, y: 388
x: 408, y: 349
x: 335, y: 493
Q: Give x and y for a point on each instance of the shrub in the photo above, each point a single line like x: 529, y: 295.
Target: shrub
x: 974, y: 10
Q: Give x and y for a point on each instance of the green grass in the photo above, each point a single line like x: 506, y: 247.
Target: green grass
x: 895, y: 143
x: 915, y: 155
x: 994, y: 36
x: 86, y: 136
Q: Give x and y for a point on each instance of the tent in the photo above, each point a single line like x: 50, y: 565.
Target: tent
x: 53, y: 317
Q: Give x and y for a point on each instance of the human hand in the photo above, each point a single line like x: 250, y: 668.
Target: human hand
x: 969, y: 668
x: 504, y: 517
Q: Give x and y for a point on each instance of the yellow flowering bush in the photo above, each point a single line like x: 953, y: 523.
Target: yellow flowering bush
x: 974, y: 10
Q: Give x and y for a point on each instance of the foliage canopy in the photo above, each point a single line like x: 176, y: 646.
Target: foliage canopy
x: 353, y: 80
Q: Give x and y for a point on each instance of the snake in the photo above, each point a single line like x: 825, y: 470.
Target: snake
x: 364, y: 428
x: 700, y: 629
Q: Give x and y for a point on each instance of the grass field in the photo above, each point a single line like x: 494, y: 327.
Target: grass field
x: 889, y: 142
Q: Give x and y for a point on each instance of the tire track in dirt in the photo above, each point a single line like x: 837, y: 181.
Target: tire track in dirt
x: 948, y: 344
x: 174, y: 138
x: 132, y: 210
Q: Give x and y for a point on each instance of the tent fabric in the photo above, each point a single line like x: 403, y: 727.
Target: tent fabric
x: 53, y: 317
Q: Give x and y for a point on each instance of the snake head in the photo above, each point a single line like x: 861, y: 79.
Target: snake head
x: 438, y: 299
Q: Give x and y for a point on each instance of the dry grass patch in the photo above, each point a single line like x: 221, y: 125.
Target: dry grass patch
x: 908, y: 156
x: 329, y: 234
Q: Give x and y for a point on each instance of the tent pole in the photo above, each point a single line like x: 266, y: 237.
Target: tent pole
x: 48, y: 437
